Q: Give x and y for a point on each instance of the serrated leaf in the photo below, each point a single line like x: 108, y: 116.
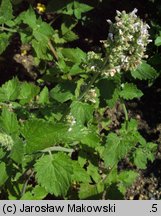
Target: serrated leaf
x: 93, y: 171
x: 117, y: 146
x: 9, y: 122
x: 5, y: 11
x: 74, y: 55
x: 40, y: 134
x: 68, y: 34
x: 63, y: 92
x: 158, y: 41
x: 27, y: 92
x: 151, y: 150
x: 91, y: 139
x: 112, y: 177
x: 109, y: 93
x: 80, y: 174
x: 28, y: 17
x: 83, y: 135
x: 80, y: 8
x: 89, y: 191
x: 41, y: 49
x: 143, y: 154
x: 38, y: 193
x: 144, y: 72
x: 44, y: 96
x: 2, y: 152
x: 10, y: 90
x: 139, y: 158
x: 58, y: 173
x: 43, y: 32
x: 3, y: 176
x: 130, y: 91
x: 126, y: 179
x: 82, y: 112
x: 17, y: 152
x: 4, y: 38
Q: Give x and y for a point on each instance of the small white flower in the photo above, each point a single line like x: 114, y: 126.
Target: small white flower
x: 70, y: 129
x: 93, y: 68
x: 133, y: 13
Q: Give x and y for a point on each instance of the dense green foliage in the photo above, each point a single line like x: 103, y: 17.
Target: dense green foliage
x: 54, y: 135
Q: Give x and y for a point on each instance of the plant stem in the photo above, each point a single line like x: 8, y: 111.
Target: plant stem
x: 25, y: 184
x: 52, y: 50
x: 55, y: 148
x: 126, y: 115
x: 104, y: 193
x: 2, y: 28
x: 93, y: 80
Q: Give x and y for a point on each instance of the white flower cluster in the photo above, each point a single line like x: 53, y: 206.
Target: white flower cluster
x: 126, y: 44
x: 94, y: 62
x: 91, y: 96
x: 6, y: 141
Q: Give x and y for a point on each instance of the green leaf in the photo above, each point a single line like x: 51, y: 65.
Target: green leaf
x: 158, y: 41
x: 74, y: 55
x: 10, y: 90
x: 139, y: 158
x: 28, y: 17
x: 43, y: 32
x: 63, y: 92
x: 38, y: 193
x: 130, y: 91
x: 3, y: 176
x: 117, y: 146
x: 17, y: 152
x: 143, y: 154
x: 89, y: 191
x: 84, y: 135
x: 80, y: 174
x: 126, y: 179
x: 80, y: 8
x: 2, y: 152
x: 40, y: 134
x: 91, y: 139
x: 93, y: 171
x: 5, y: 11
x: 9, y: 122
x: 58, y: 173
x: 4, y: 38
x: 82, y: 112
x: 27, y: 92
x: 144, y: 72
x: 151, y: 150
x: 41, y: 49
x: 68, y: 34
x: 108, y: 92
x: 44, y: 96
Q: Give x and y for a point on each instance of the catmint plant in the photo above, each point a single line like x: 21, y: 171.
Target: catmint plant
x: 127, y: 42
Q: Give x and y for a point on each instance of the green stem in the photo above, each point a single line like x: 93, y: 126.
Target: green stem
x: 126, y: 115
x: 56, y: 148
x: 103, y: 180
x: 26, y: 183
x: 93, y: 80
x: 2, y: 28
x: 53, y: 50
